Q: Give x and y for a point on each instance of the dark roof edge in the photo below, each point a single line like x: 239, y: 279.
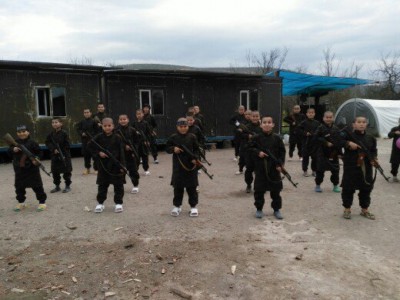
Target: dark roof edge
x: 49, y: 66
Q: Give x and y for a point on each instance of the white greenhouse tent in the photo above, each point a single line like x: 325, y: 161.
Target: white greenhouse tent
x: 382, y: 115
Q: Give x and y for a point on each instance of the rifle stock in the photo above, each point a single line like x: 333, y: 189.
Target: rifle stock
x: 198, y: 162
x: 60, y: 154
x: 11, y: 142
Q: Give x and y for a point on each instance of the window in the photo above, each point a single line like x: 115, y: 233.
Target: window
x: 50, y: 101
x: 155, y: 98
x: 244, y: 99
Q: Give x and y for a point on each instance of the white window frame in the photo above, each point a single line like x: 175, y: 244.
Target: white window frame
x: 150, y: 91
x: 247, y: 92
x: 141, y: 100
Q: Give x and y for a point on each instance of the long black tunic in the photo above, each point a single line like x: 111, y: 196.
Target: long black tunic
x: 267, y: 176
x: 358, y: 174
x: 109, y: 171
x: 184, y: 173
x: 251, y: 129
x: 129, y: 136
x: 294, y: 120
x: 87, y: 126
x: 328, y: 157
x: 144, y: 130
x: 61, y: 138
x: 26, y: 173
x: 395, y: 155
x: 308, y: 126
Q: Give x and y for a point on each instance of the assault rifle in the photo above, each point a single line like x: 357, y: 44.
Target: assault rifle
x: 198, y: 162
x: 146, y: 141
x: 278, y: 163
x: 60, y: 154
x: 364, y: 149
x: 128, y: 142
x: 34, y: 159
x: 203, y: 155
x: 109, y: 154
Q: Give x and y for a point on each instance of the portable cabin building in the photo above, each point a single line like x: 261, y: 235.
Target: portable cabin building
x: 32, y: 93
x: 171, y: 92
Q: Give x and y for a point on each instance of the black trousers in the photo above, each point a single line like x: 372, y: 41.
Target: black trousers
x: 118, y: 193
x: 39, y: 191
x: 67, y: 178
x: 364, y: 197
x: 236, y: 143
x: 144, y: 156
x: 153, y: 147
x: 395, y: 169
x: 334, y: 169
x: 248, y: 174
x: 132, y: 167
x: 293, y: 142
x: 87, y: 157
x: 306, y: 160
x: 259, y: 200
x: 192, y: 193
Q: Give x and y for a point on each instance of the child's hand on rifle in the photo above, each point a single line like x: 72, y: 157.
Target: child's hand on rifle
x: 279, y: 169
x: 375, y: 163
x: 195, y: 162
x: 36, y: 161
x: 177, y: 150
x: 352, y: 145
x: 56, y: 151
x: 103, y: 155
x: 127, y: 148
x: 262, y: 154
x: 16, y: 149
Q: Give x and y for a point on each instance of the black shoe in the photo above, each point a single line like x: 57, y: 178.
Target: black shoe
x: 67, y: 189
x: 56, y: 189
x: 248, y: 189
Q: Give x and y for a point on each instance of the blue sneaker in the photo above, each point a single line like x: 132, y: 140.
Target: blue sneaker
x: 318, y: 189
x: 278, y: 215
x: 259, y: 214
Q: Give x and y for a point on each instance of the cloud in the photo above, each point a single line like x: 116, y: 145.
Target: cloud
x: 198, y: 33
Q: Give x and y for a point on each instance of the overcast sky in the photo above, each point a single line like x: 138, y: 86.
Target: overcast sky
x: 207, y: 33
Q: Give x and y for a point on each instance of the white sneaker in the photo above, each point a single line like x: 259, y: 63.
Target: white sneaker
x: 199, y: 172
x: 176, y: 211
x: 118, y: 208
x: 194, y: 212
x: 238, y: 172
x: 99, y: 208
x: 156, y: 161
x: 135, y: 190
x: 198, y: 189
x: 395, y: 179
x: 234, y: 159
x: 146, y: 173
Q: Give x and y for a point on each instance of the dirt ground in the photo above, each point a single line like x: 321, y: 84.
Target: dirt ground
x: 68, y: 252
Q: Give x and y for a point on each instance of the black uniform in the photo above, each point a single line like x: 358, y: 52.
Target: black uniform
x: 308, y: 142
x: 235, y: 120
x: 144, y: 130
x: 59, y: 167
x: 109, y: 171
x: 184, y: 173
x: 27, y: 175
x: 328, y: 157
x: 395, y: 155
x: 267, y: 177
x: 202, y: 121
x: 254, y: 129
x: 130, y: 138
x: 294, y: 139
x: 91, y: 127
x: 100, y: 116
x: 152, y: 138
x: 357, y: 170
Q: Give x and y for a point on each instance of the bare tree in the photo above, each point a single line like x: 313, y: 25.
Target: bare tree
x: 389, y: 70
x: 84, y: 60
x: 352, y: 71
x: 331, y: 64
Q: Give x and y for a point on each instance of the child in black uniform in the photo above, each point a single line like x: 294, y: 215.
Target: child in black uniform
x: 87, y: 127
x: 56, y: 141
x: 267, y: 171
x: 130, y: 139
x: 327, y: 152
x: 306, y: 130
x: 110, y: 172
x: 395, y: 155
x: 184, y: 170
x: 357, y: 168
x: 145, y: 135
x: 27, y: 173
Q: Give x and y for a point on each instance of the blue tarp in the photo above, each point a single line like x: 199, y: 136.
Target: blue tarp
x: 314, y: 85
